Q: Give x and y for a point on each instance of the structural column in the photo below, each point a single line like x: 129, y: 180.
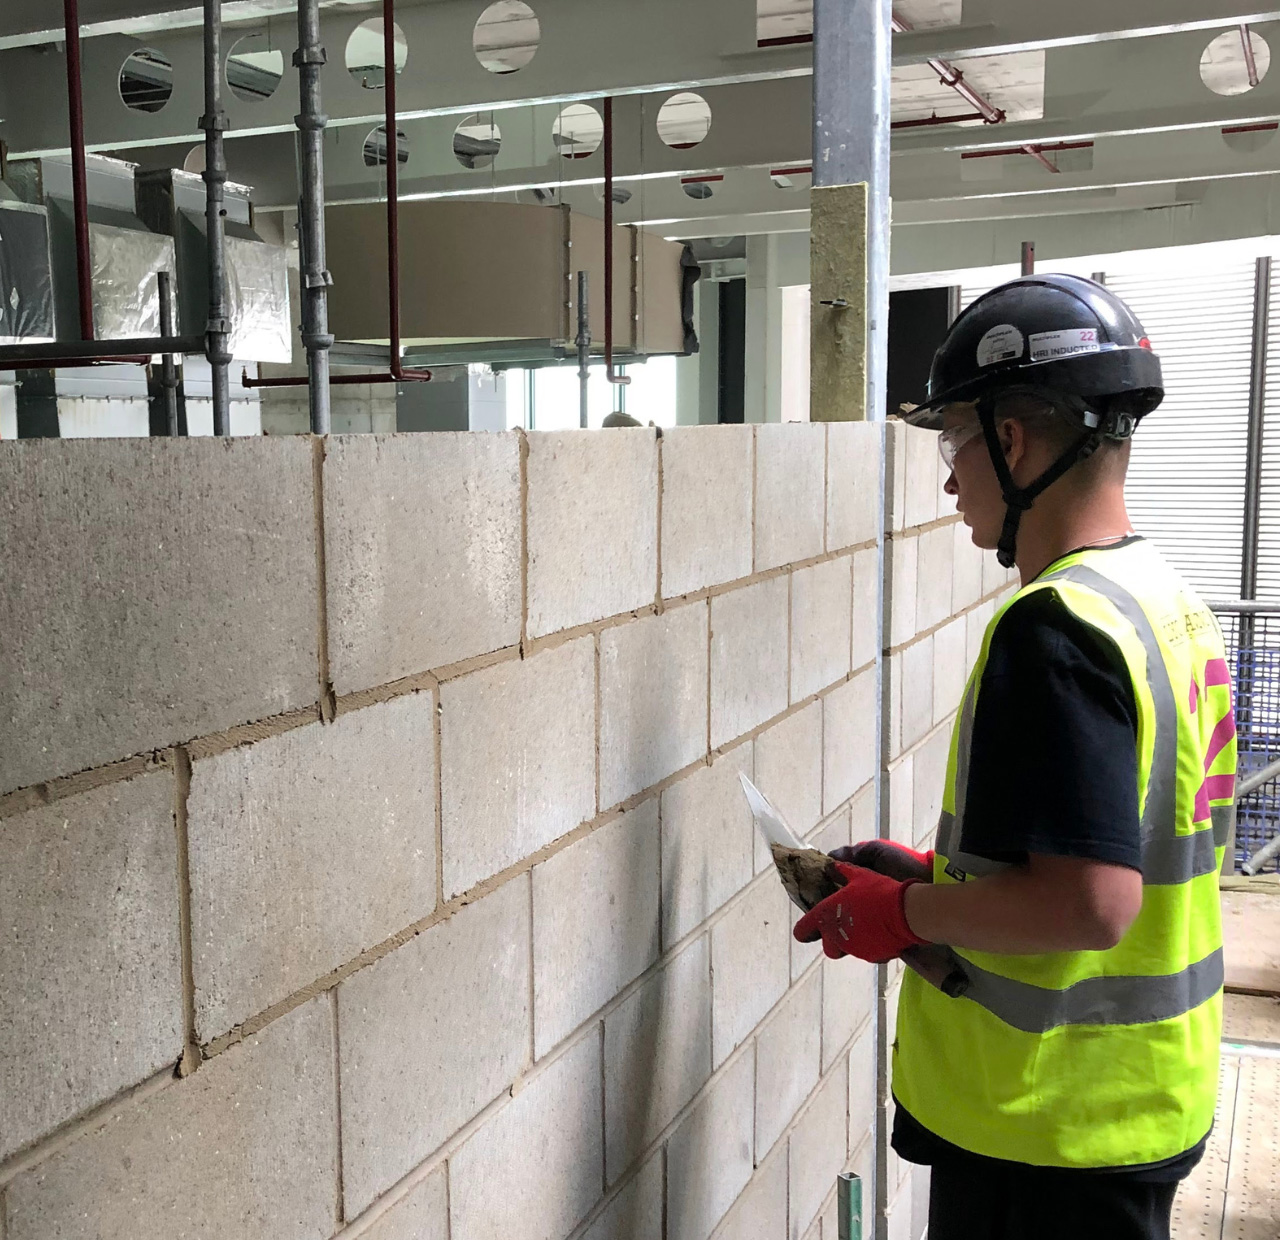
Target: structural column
x: 764, y: 331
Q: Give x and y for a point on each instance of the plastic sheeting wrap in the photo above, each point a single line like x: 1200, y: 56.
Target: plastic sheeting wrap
x: 26, y: 280
x: 258, y: 295
x: 126, y: 292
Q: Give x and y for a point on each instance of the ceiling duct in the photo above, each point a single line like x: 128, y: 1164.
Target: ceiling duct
x: 26, y: 273
x: 172, y: 202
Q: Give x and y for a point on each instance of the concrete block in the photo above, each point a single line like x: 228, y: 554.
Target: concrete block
x: 920, y: 1177
x: 790, y: 513
x: 245, y: 1147
x: 929, y: 779
x: 864, y: 824
x: 821, y: 615
x: 306, y: 849
x: 950, y: 669
x: 921, y: 451
x: 154, y: 590
x: 898, y: 1219
x: 422, y: 552
x: 901, y: 788
x: 592, y: 526
x: 866, y: 607
x: 849, y: 754
x: 901, y: 555
x: 423, y: 1214
x: 517, y: 760
x: 429, y: 1036
x: 789, y: 773
x: 595, y: 922
x: 788, y: 1055
x: 862, y: 1163
x: 853, y: 483
x: 946, y: 503
x: 993, y: 576
x: 802, y: 954
x: 636, y: 1212
x: 934, y: 555
x: 817, y: 1149
x: 653, y: 700
x: 760, y: 1213
x: 893, y: 723
x: 895, y: 476
x: 848, y: 1000
x: 749, y: 963
x: 706, y: 486
x: 862, y: 1084
x: 966, y: 581
x: 976, y: 623
x: 833, y: 832
x: 534, y: 1170
x: 709, y: 1156
x: 657, y: 1054
x: 749, y: 658
x: 917, y: 691
x: 707, y: 841
x: 92, y: 996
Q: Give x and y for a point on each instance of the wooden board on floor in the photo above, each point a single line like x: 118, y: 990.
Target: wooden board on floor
x: 1251, y: 940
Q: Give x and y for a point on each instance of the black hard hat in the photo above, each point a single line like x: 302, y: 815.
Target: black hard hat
x: 1056, y: 333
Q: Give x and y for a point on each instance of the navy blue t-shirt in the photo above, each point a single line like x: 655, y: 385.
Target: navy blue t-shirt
x: 1053, y: 770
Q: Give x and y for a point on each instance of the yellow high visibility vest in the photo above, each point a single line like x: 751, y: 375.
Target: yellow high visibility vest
x: 1098, y: 1058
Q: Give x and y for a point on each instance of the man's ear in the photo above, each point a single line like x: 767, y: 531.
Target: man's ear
x: 1013, y: 441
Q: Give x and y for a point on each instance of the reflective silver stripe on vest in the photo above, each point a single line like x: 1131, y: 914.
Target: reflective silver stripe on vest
x: 948, y: 842
x: 1167, y: 857
x: 1096, y: 1000
x: 1224, y: 819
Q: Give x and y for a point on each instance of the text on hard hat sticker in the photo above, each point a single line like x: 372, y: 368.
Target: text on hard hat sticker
x: 1000, y: 344
x: 1046, y: 346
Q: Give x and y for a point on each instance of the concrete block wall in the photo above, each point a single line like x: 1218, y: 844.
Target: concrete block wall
x: 371, y: 847
x: 940, y: 592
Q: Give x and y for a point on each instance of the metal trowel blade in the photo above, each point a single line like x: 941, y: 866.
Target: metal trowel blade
x: 771, y: 823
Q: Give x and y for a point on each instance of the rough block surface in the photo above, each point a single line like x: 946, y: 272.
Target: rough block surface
x: 853, y: 483
x: 817, y: 1150
x: 306, y: 849
x: 429, y: 1035
x: 760, y: 1213
x: 750, y: 963
x: 636, y: 1212
x: 534, y: 1169
x: 595, y: 922
x: 790, y: 492
x: 950, y: 670
x: 653, y: 700
x: 789, y: 773
x: 787, y: 1059
x: 709, y: 1156
x: 91, y: 1001
x: 517, y: 760
x: 657, y: 1054
x: 917, y: 691
x: 154, y: 590
x: 848, y: 998
x: 707, y: 841
x: 423, y: 1214
x: 422, y: 552
x: 245, y: 1147
x: 921, y: 448
x: 866, y: 607
x: 748, y: 658
x: 848, y: 743
x: 706, y: 486
x: 862, y: 1085
x: 593, y: 522
x: 901, y: 557
x: 934, y: 554
x: 821, y: 614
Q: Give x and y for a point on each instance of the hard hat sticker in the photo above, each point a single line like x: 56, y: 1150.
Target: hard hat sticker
x: 1000, y: 344
x: 1049, y: 346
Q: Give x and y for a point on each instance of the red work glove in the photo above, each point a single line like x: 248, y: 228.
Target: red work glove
x: 865, y: 918
x: 887, y: 857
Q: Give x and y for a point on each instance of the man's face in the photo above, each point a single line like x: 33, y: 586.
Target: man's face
x: 973, y: 480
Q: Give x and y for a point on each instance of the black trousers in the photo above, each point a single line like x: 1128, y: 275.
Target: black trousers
x: 980, y: 1199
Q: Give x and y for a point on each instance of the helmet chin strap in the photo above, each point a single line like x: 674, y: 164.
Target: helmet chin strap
x: 1019, y: 499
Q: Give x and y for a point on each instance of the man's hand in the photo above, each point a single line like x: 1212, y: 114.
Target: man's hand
x: 864, y: 918
x: 886, y: 857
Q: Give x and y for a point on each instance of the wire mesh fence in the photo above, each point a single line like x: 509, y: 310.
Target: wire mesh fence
x: 1252, y: 635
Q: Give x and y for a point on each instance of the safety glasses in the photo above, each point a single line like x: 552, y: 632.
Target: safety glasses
x: 953, y: 439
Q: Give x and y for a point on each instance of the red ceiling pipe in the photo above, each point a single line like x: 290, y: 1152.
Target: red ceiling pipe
x: 608, y: 246
x: 949, y: 75
x: 925, y: 121
x: 1250, y: 64
x: 302, y: 380
x: 79, y: 189
x: 1022, y: 150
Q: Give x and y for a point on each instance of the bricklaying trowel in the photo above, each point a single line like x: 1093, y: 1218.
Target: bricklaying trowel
x: 809, y: 876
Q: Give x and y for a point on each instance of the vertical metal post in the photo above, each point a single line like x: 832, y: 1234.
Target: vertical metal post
x: 584, y: 349
x: 393, y: 179
x: 214, y: 124
x: 79, y: 188
x: 1028, y: 258
x: 849, y: 1206
x: 168, y: 372
x: 1257, y: 414
x: 309, y: 60
x: 610, y: 374
x: 851, y: 55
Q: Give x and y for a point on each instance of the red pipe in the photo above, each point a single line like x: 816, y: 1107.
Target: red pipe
x: 67, y: 363
x: 608, y: 246
x: 1022, y: 150
x: 935, y: 119
x: 949, y: 75
x: 79, y: 189
x: 422, y: 376
x: 1250, y: 64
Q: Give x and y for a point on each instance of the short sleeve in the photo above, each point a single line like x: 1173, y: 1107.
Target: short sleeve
x: 1054, y: 757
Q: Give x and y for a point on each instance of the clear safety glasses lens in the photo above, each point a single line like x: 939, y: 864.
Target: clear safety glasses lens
x: 952, y: 440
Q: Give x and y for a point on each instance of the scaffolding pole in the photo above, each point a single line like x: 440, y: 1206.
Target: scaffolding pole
x: 214, y: 124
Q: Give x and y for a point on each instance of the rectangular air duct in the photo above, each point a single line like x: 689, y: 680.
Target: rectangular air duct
x: 26, y: 274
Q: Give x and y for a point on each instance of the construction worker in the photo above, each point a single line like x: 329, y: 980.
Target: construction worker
x: 1087, y: 804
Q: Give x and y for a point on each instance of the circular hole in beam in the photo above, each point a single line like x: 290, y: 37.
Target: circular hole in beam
x: 506, y: 36
x: 1224, y: 63
x: 375, y: 147
x: 684, y: 120
x: 477, y: 141
x: 146, y: 80
x: 578, y: 131
x: 254, y: 68
x: 365, y: 53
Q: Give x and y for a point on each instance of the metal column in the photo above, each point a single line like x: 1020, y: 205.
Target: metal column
x: 584, y: 350
x: 851, y: 61
x: 316, y: 280
x: 79, y: 190
x: 214, y: 124
x: 168, y: 371
x: 1257, y: 413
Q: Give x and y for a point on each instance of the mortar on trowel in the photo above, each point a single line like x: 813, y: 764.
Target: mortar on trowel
x: 810, y: 876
